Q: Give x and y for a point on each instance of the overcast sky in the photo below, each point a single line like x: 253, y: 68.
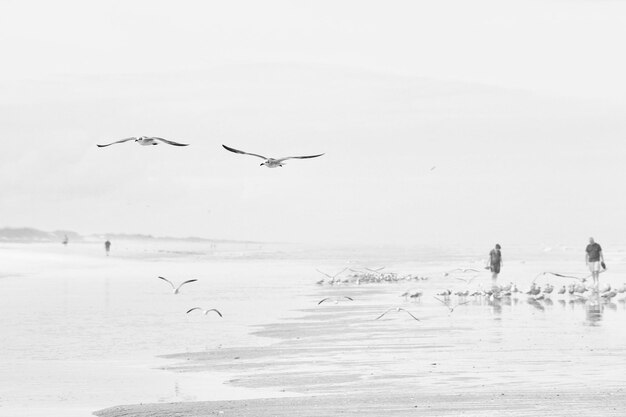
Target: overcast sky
x: 518, y: 104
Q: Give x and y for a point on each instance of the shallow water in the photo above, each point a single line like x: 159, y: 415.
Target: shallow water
x: 82, y: 331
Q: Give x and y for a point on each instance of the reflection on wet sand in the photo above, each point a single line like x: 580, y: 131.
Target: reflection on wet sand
x: 593, y: 309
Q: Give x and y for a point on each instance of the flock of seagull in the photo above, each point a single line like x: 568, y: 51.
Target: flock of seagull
x: 154, y: 140
x: 367, y: 276
x: 580, y: 291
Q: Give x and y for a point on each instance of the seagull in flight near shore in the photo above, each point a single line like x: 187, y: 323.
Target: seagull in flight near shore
x: 175, y: 288
x: 205, y: 312
x: 462, y: 270
x: 397, y: 309
x: 581, y: 279
x: 451, y: 308
x: 336, y: 300
x: 468, y: 280
x: 332, y: 277
x: 270, y: 162
x: 146, y: 141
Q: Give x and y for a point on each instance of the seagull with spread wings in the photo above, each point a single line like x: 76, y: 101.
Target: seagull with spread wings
x: 146, y: 141
x: 397, y: 309
x: 175, y: 288
x: 332, y: 277
x: 451, y: 308
x: 270, y: 162
x: 461, y: 270
x: 581, y: 279
x: 205, y: 312
x: 336, y: 300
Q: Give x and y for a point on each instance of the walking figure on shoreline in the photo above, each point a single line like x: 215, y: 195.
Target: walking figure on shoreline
x: 594, y: 260
x: 495, y: 263
x: 107, y: 247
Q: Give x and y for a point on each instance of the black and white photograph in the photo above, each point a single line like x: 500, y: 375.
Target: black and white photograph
x: 313, y: 208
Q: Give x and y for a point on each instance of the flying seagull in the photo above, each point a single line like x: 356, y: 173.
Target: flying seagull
x: 581, y: 279
x: 177, y: 289
x: 448, y: 305
x: 333, y: 276
x: 336, y: 300
x: 467, y: 281
x: 397, y: 309
x: 270, y: 162
x: 460, y: 270
x: 146, y: 141
x: 205, y: 312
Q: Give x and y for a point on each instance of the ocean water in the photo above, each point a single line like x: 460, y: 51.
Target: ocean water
x: 81, y: 331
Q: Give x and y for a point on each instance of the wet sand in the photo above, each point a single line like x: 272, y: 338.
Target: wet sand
x: 389, y: 403
x: 513, y: 357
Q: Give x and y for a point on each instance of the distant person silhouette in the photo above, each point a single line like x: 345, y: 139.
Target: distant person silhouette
x: 495, y: 263
x: 107, y: 247
x: 65, y: 240
x: 595, y: 260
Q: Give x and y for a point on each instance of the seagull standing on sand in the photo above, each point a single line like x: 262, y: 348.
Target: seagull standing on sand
x: 397, y: 309
x: 270, y: 162
x: 175, y: 288
x: 146, y: 141
x: 336, y: 300
x: 205, y: 312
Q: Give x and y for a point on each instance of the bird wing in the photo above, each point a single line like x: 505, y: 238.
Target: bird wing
x: 242, y: 152
x: 339, y: 273
x: 192, y: 309
x: 348, y: 298
x: 384, y: 313
x: 186, y: 282
x: 298, y: 157
x: 169, y: 282
x: 213, y: 309
x: 325, y: 299
x: 463, y: 279
x: 441, y: 301
x: 325, y: 274
x: 409, y: 313
x: 559, y: 275
x: 119, y: 141
x: 169, y: 142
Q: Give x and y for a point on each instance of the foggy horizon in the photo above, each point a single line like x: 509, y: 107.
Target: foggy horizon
x: 526, y: 146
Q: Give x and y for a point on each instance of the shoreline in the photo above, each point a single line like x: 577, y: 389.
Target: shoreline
x: 520, y: 404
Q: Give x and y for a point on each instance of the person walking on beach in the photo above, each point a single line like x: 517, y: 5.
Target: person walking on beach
x: 495, y: 263
x: 595, y: 260
x: 107, y: 247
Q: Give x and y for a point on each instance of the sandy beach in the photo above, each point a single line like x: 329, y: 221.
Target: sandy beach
x: 100, y: 331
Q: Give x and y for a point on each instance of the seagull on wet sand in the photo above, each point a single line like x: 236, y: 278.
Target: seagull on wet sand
x: 145, y: 141
x: 205, y: 312
x: 397, y: 309
x: 270, y: 162
x: 336, y: 300
x: 175, y: 288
